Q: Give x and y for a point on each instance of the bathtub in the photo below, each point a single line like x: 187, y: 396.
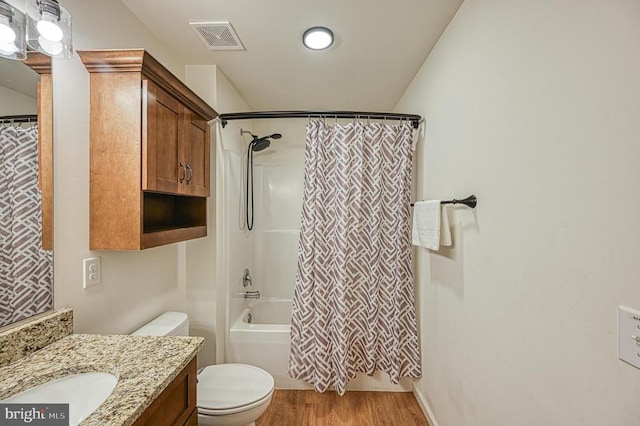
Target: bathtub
x: 260, y: 336
x: 265, y: 342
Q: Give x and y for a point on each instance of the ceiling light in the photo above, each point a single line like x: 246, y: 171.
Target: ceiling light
x: 318, y: 38
x: 12, y: 45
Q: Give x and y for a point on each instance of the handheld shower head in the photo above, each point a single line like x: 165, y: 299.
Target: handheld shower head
x: 256, y: 144
x: 260, y: 144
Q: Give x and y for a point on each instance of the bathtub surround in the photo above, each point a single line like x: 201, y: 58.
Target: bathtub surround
x: 26, y: 269
x: 353, y: 307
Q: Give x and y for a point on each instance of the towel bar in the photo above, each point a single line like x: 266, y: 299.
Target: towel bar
x: 470, y: 201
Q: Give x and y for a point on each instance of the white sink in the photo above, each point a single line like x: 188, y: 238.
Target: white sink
x: 83, y: 392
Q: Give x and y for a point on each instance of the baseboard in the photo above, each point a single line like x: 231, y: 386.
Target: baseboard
x: 424, y: 406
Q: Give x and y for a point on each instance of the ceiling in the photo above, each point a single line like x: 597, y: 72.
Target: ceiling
x: 379, y: 47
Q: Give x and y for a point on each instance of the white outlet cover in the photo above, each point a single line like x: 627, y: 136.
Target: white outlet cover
x: 629, y: 350
x: 91, y: 272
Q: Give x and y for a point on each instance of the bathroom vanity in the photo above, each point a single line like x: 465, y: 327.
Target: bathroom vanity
x: 156, y: 376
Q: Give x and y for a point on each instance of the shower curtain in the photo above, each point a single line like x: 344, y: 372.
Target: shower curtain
x: 26, y: 270
x: 353, y: 308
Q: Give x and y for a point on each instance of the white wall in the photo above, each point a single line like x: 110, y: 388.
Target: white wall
x: 136, y: 286
x: 200, y: 254
x: 532, y: 106
x: 16, y: 103
x: 235, y: 245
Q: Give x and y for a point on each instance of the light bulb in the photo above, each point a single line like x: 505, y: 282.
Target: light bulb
x: 7, y: 34
x: 318, y: 38
x: 53, y: 48
x: 8, y: 48
x: 48, y: 28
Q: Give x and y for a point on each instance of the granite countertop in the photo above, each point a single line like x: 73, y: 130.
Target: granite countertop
x: 144, y: 366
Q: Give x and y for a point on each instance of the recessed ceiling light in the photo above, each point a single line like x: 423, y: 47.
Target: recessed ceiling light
x: 317, y: 38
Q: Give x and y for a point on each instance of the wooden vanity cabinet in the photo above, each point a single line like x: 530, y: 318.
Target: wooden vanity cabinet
x: 177, y: 404
x: 149, y: 153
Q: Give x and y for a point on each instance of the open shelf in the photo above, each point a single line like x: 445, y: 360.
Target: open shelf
x: 169, y: 218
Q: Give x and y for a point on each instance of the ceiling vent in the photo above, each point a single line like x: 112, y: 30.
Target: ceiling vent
x: 217, y: 35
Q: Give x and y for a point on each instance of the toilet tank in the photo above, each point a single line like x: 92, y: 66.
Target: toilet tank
x: 167, y: 324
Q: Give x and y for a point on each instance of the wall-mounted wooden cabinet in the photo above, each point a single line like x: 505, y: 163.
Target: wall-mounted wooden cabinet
x: 150, y: 148
x: 175, y: 145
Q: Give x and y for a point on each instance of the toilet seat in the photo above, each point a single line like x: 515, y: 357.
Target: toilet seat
x: 230, y: 388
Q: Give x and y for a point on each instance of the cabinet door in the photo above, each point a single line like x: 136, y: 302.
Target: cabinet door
x: 161, y: 118
x: 196, y: 146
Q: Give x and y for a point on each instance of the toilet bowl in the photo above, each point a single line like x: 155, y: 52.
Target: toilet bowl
x: 228, y: 394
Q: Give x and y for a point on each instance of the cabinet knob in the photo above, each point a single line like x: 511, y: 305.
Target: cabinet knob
x: 183, y: 174
x: 190, y: 175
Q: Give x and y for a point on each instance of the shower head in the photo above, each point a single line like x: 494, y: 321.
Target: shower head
x: 260, y: 144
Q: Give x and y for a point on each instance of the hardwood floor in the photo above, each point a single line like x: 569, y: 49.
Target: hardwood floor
x: 309, y: 408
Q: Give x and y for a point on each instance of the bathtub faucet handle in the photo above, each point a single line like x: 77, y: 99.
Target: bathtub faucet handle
x: 246, y: 278
x: 252, y: 294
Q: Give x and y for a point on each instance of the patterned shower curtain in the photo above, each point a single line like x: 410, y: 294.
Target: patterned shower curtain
x: 26, y: 270
x: 353, y: 308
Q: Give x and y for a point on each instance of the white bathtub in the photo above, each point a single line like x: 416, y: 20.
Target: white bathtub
x: 265, y: 341
x: 276, y: 312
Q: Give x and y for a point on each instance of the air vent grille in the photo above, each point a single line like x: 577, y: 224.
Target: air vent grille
x: 217, y: 35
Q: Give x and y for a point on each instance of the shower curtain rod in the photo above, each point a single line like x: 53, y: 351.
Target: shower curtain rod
x: 415, y: 119
x: 19, y: 118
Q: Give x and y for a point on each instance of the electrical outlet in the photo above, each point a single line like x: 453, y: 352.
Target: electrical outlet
x: 92, y: 274
x: 629, y: 336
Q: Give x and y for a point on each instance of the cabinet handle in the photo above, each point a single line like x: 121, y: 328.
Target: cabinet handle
x: 190, y: 170
x: 184, y: 172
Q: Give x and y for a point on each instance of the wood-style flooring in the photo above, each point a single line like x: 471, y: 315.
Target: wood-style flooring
x: 309, y: 408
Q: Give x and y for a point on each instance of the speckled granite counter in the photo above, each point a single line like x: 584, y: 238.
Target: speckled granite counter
x: 144, y: 366
x: 33, y: 334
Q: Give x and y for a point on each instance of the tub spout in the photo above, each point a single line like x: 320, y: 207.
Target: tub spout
x: 252, y: 294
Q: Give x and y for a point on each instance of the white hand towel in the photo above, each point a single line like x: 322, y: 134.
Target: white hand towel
x: 426, y: 224
x: 430, y: 225
x: 445, y: 230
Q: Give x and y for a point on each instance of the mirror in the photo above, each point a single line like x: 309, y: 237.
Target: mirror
x: 26, y: 188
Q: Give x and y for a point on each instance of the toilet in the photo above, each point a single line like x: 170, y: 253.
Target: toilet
x: 228, y: 394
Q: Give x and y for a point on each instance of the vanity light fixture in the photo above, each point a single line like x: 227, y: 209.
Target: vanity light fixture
x: 49, y: 28
x: 12, y: 30
x: 317, y: 38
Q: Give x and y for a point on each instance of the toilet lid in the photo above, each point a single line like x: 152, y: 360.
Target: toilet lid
x: 227, y: 386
